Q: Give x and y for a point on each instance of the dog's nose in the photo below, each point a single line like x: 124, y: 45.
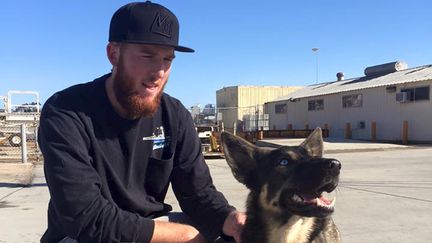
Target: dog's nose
x: 335, y: 164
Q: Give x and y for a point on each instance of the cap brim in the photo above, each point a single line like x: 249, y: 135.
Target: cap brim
x: 177, y: 48
x: 183, y: 49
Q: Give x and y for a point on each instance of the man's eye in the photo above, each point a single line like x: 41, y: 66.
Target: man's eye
x: 283, y: 162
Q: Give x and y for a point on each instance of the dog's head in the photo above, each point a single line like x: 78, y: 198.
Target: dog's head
x: 289, y: 179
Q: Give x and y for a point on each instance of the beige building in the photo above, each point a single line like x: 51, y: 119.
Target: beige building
x: 381, y: 104
x: 242, y: 105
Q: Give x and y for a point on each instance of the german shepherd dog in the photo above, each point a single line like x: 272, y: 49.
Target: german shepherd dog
x: 285, y: 203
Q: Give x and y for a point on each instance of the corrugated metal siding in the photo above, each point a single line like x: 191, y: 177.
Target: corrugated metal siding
x: 227, y: 103
x: 258, y: 95
x: 410, y: 75
x: 247, y: 99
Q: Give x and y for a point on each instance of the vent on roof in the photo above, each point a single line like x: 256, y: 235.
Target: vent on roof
x: 385, y: 68
x: 340, y: 76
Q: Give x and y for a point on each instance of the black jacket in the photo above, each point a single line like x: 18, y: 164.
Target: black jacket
x: 108, y: 176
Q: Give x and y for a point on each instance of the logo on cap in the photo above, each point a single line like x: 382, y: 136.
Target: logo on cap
x: 162, y: 25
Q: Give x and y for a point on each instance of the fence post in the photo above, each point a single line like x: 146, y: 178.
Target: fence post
x: 326, y: 129
x: 23, y: 143
x: 260, y: 135
x: 405, y: 133
x: 373, y: 131
x: 348, y: 134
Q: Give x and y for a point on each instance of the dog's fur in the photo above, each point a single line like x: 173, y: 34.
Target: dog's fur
x: 285, y: 202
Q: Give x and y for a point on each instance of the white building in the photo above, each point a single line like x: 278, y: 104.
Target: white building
x: 388, y: 95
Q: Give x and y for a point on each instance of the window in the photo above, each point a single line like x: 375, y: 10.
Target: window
x: 280, y: 108
x: 352, y: 101
x: 315, y: 105
x: 419, y: 93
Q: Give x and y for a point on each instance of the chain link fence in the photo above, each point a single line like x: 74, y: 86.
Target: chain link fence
x: 241, y: 119
x: 18, y: 142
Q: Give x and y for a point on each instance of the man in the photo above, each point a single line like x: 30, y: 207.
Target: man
x: 113, y: 145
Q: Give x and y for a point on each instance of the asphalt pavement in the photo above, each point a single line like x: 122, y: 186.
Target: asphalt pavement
x: 385, y: 194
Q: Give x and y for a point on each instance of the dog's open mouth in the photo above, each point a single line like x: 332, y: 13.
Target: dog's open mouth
x: 313, y: 204
x: 319, y: 200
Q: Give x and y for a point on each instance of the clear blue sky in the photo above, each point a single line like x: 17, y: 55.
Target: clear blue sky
x: 48, y: 45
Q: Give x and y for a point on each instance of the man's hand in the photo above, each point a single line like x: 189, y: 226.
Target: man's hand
x: 166, y: 232
x: 233, y: 225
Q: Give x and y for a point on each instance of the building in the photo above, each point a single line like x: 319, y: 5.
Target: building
x: 206, y: 116
x: 195, y: 111
x: 242, y: 105
x: 375, y: 106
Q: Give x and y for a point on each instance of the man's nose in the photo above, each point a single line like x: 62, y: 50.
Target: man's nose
x: 158, y: 68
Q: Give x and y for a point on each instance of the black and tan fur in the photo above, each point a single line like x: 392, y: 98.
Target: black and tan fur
x: 285, y: 202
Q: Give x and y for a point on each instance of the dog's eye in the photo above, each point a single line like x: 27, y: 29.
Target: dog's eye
x: 284, y: 162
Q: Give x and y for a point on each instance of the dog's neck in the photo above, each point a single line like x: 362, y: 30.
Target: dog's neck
x: 296, y: 230
x: 269, y: 227
x: 276, y: 225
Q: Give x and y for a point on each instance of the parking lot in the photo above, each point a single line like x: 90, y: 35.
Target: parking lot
x: 384, y: 196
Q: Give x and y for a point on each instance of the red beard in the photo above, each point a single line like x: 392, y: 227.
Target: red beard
x: 134, y: 105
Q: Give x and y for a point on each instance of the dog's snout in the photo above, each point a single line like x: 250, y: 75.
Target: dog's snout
x: 334, y: 164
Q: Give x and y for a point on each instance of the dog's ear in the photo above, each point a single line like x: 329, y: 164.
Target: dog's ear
x: 240, y: 156
x: 314, y: 143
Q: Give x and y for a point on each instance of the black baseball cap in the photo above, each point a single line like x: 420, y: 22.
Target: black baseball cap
x: 146, y: 23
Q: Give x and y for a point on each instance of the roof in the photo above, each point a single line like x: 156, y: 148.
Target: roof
x: 410, y: 75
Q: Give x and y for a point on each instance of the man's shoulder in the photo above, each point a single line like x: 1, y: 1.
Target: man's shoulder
x: 78, y: 96
x: 171, y: 103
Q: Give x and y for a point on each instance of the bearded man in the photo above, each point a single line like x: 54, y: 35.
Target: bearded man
x: 112, y: 146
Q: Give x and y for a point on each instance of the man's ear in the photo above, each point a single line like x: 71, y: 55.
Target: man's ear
x: 314, y: 143
x: 113, y: 53
x: 240, y: 156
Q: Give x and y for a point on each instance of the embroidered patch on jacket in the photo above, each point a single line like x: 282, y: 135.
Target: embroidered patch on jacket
x: 158, y: 138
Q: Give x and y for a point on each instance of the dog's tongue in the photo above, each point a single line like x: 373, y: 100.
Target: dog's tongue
x: 313, y: 199
x: 325, y: 200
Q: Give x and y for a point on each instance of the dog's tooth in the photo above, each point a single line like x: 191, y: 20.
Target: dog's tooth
x: 319, y: 203
x: 333, y: 202
x: 322, y: 204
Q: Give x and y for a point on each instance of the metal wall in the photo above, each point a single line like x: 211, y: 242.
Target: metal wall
x: 379, y: 105
x: 238, y: 102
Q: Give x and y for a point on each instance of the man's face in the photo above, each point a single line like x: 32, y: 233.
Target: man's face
x: 141, y: 74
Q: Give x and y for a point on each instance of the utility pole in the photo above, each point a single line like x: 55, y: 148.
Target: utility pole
x: 315, y: 50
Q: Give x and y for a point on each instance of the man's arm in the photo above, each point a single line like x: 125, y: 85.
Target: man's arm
x: 80, y: 210
x: 172, y: 232
x: 75, y: 187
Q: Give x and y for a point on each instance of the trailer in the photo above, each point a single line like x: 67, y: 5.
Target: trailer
x: 14, y: 116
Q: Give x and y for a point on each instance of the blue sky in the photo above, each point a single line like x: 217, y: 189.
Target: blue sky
x: 48, y: 45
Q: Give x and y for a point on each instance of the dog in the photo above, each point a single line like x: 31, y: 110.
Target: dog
x: 285, y: 203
